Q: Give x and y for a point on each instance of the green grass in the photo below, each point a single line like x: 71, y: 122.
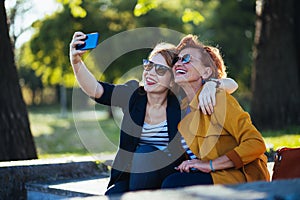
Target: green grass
x: 289, y: 137
x: 81, y: 135
x: 59, y: 136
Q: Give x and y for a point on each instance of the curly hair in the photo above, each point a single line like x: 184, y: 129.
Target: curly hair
x: 218, y: 60
x: 210, y: 56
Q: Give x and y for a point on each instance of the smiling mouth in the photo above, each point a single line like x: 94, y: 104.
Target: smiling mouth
x: 180, y: 71
x: 150, y: 81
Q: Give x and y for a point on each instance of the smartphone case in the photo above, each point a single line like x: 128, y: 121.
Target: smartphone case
x: 91, y: 42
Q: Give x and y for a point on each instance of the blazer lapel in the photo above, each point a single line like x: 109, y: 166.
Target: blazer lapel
x: 173, y: 116
x: 138, y: 115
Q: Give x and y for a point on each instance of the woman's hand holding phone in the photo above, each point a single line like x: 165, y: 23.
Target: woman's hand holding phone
x: 80, y: 43
x: 90, y: 42
x: 75, y: 55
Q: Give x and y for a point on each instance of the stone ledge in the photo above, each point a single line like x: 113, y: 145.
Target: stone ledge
x: 68, y: 188
x: 276, y: 190
x: 14, y: 175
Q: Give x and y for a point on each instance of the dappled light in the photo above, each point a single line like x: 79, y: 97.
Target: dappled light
x: 47, y: 79
x: 69, y: 117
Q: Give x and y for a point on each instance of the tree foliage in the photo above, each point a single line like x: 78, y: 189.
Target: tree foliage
x: 49, y: 46
x: 232, y: 29
x: 20, y: 8
x: 213, y: 20
x: 227, y: 24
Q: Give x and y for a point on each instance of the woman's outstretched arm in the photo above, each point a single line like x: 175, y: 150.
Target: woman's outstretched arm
x: 85, y: 78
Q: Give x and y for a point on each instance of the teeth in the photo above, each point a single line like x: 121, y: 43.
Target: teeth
x: 150, y: 80
x: 180, y: 71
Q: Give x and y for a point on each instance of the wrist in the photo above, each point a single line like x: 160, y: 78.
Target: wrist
x: 211, y: 166
x: 214, y: 80
x: 76, y: 66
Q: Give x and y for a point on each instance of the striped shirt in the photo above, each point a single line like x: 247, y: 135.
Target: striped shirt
x: 187, y: 149
x: 155, y: 135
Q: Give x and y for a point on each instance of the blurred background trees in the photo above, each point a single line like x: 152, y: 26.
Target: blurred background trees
x: 227, y: 24
x: 260, y: 49
x: 276, y: 70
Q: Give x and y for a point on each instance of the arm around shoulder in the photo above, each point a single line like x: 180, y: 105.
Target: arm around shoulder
x: 227, y: 84
x: 207, y: 99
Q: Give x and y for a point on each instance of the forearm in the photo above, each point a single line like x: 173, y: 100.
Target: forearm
x: 219, y: 163
x: 222, y: 162
x: 87, y: 81
x: 228, y: 84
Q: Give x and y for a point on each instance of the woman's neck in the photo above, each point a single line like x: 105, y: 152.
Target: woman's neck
x: 191, y: 88
x: 156, y: 108
x: 157, y: 99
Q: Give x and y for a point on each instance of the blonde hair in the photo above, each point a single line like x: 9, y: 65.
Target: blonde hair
x: 167, y: 50
x: 210, y: 56
x: 218, y: 60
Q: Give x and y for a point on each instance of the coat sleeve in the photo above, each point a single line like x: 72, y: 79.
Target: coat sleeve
x: 117, y: 95
x: 239, y: 125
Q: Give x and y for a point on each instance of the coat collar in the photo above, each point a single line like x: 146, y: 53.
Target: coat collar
x: 194, y: 104
x: 173, y: 115
x: 139, y: 110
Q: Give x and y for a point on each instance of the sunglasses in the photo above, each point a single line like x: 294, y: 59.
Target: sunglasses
x: 159, y: 69
x: 184, y: 59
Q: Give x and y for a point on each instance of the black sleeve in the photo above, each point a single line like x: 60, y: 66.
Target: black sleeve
x: 117, y: 95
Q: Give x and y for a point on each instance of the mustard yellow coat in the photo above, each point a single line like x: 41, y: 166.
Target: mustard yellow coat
x: 228, y: 131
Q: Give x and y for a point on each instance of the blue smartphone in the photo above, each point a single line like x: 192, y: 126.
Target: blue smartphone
x: 90, y: 42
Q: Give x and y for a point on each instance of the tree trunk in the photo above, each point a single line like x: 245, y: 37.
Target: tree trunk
x: 16, y: 141
x: 275, y: 76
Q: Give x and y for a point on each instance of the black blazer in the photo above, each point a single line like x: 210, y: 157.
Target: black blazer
x: 133, y: 100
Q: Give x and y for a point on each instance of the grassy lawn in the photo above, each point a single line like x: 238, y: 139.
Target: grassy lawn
x: 93, y: 133
x: 289, y: 137
x: 59, y: 136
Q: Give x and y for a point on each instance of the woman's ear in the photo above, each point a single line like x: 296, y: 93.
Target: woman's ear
x: 207, y: 73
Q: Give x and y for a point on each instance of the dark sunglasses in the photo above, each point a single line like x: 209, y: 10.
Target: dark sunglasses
x: 184, y: 59
x: 159, y: 69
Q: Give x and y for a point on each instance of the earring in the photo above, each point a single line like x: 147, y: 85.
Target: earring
x: 202, y: 80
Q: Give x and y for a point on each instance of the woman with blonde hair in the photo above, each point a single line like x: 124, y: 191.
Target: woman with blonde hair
x: 222, y: 148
